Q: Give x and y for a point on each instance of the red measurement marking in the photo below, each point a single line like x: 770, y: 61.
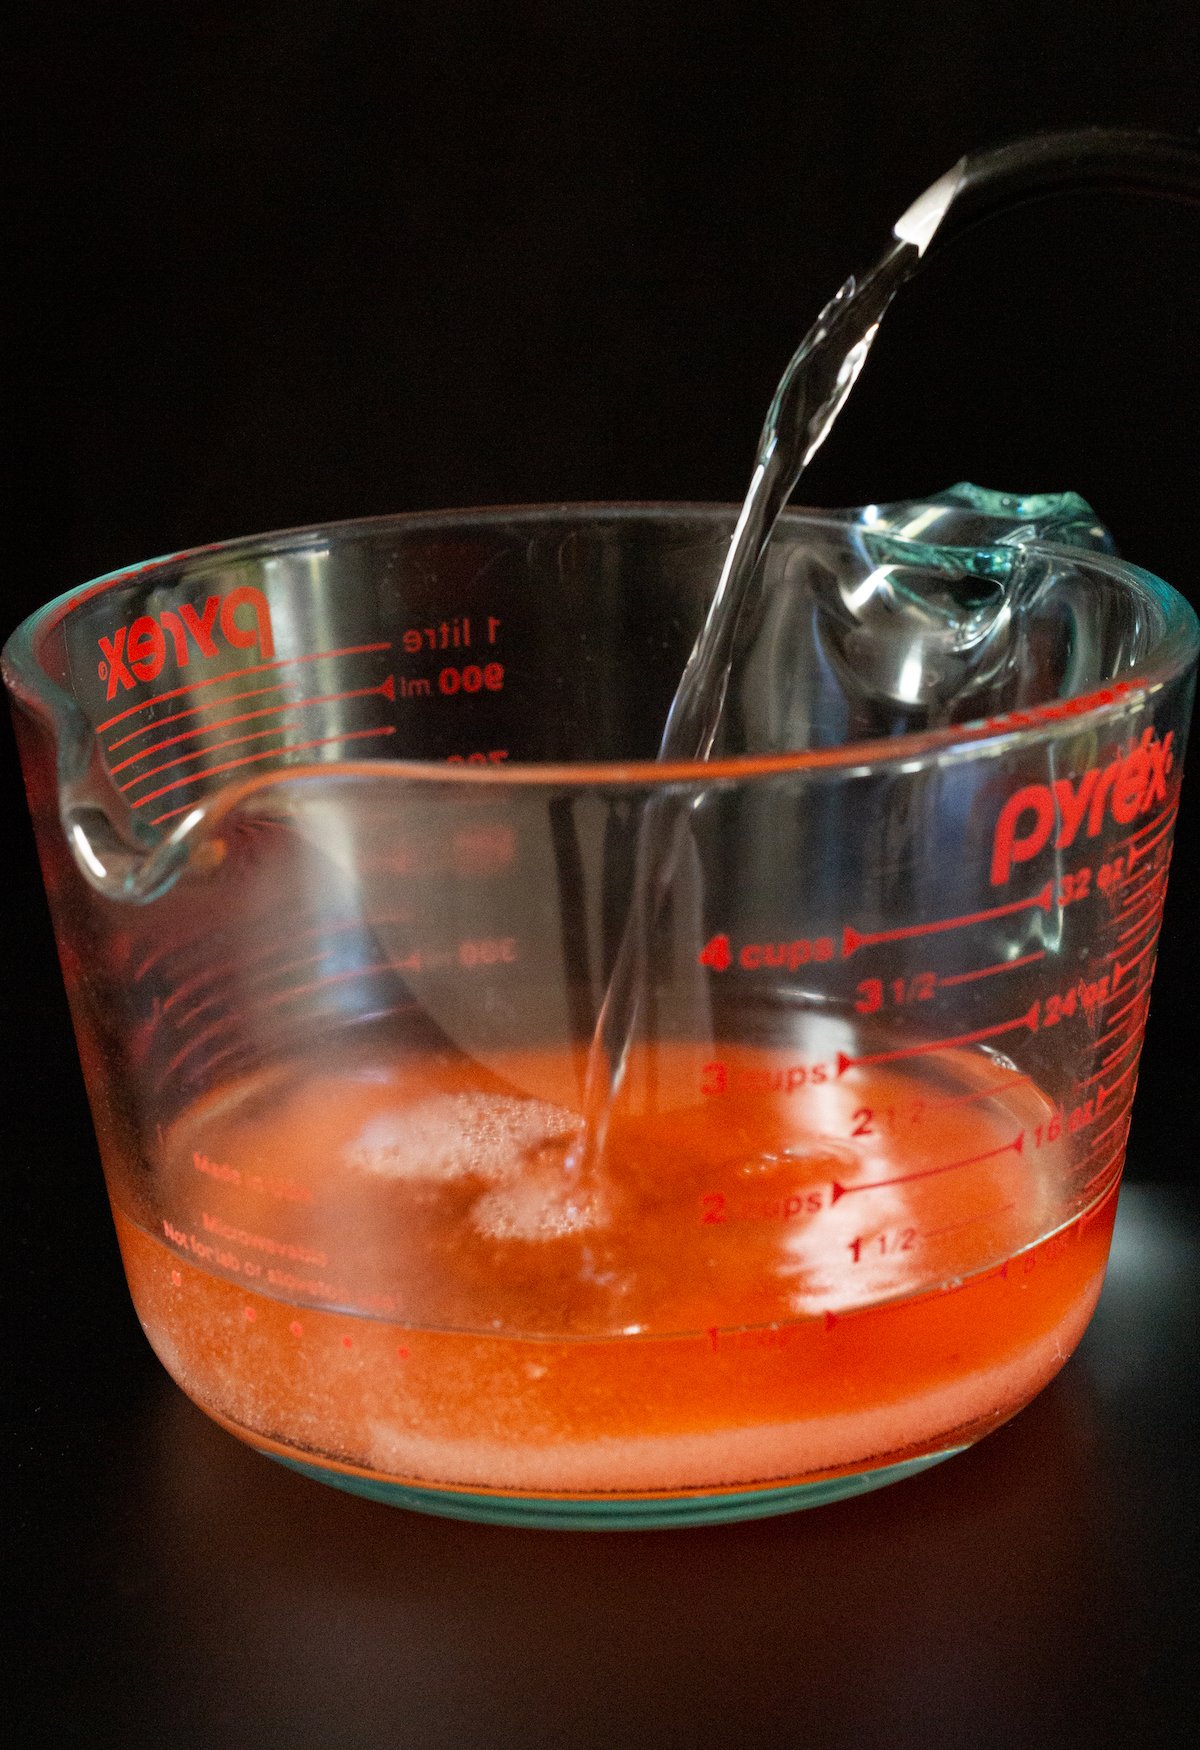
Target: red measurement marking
x: 192, y: 710
x: 1098, y: 1143
x: 1132, y: 1027
x: 233, y: 1051
x: 237, y: 674
x: 853, y: 939
x: 1148, y: 883
x: 386, y: 689
x: 272, y: 972
x: 987, y: 1215
x: 184, y: 808
x: 250, y: 1315
x: 296, y: 1328
x: 200, y: 754
x: 1113, y: 1031
x: 980, y: 1094
x: 1150, y: 909
x: 1167, y: 814
x: 1136, y: 851
x: 1103, y: 1093
x: 401, y: 1351
x: 1157, y: 872
x: 1143, y: 924
x: 222, y: 970
x: 299, y: 990
x: 1115, y: 1056
x: 217, y: 1028
x: 271, y: 754
x: 1000, y: 966
x: 1029, y: 1019
x: 1138, y: 990
x: 1120, y: 968
x: 150, y: 960
x: 1017, y: 1145
x: 347, y: 1342
x: 1151, y: 886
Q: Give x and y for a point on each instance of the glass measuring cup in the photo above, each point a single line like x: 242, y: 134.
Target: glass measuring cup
x: 338, y: 829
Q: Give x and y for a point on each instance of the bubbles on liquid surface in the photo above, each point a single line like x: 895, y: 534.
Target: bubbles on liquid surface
x: 447, y: 1137
x: 816, y: 1159
x: 543, y: 1203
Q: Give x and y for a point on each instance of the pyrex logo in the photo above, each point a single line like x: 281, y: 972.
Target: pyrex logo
x: 138, y: 652
x: 1127, y: 785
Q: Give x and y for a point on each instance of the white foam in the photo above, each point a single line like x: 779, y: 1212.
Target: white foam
x: 455, y: 1136
x: 543, y: 1204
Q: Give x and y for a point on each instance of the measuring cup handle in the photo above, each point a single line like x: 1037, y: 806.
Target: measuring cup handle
x: 984, y: 183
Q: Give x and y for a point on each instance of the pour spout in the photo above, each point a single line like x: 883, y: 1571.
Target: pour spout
x: 120, y: 870
x: 116, y: 856
x: 71, y: 790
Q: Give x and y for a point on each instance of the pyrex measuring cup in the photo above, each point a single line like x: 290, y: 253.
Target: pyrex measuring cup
x: 338, y: 828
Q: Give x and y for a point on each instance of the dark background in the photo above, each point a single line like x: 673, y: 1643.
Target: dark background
x: 276, y: 263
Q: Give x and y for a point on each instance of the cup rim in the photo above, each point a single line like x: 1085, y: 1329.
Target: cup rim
x: 1174, y: 653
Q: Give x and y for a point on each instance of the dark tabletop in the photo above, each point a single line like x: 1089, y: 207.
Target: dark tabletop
x: 177, y: 1589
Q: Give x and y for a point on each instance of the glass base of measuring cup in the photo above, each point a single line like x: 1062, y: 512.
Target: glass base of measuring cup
x: 632, y: 1515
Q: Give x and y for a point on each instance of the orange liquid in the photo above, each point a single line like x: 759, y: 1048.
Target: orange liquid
x: 385, y: 1268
